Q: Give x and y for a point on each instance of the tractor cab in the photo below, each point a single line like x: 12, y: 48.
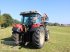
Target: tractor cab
x: 30, y: 18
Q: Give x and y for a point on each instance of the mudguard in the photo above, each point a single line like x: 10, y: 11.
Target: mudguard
x: 17, y: 27
x: 36, y: 25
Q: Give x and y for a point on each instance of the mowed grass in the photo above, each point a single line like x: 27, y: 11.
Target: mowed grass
x: 59, y: 41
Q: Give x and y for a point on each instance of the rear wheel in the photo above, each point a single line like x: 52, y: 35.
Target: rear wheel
x: 38, y: 37
x: 15, y: 36
x: 47, y: 35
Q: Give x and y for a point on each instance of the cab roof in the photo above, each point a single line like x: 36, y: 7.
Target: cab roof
x: 29, y: 12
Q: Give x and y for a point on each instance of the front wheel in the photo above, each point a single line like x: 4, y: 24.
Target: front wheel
x: 38, y: 37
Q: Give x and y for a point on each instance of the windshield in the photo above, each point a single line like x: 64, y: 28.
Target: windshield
x: 31, y: 19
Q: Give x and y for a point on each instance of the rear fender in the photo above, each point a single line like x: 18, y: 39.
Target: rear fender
x: 36, y: 25
x: 17, y: 27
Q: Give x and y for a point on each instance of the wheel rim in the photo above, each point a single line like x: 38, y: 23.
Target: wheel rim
x: 42, y: 37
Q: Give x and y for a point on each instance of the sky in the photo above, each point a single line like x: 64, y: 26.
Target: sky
x: 57, y: 10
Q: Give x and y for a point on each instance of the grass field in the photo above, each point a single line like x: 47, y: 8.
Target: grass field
x: 59, y: 41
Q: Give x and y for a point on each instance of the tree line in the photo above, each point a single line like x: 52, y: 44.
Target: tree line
x: 56, y: 24
x: 7, y: 20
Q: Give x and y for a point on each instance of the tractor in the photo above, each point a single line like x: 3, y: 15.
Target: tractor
x: 32, y: 30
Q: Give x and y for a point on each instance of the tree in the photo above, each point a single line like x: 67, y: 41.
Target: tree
x: 50, y: 24
x: 16, y: 21
x: 8, y: 20
x: 62, y: 24
x: 2, y: 20
x: 56, y: 24
x: 53, y: 24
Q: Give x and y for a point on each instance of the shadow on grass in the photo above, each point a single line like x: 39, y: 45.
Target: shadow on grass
x: 29, y: 46
x: 9, y: 41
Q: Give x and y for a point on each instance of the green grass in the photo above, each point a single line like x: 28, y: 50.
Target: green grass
x: 59, y: 41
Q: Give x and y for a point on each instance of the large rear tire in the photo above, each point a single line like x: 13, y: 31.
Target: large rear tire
x: 38, y: 37
x: 46, y: 35
x: 15, y: 36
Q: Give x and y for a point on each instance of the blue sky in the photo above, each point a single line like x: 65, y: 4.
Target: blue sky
x: 57, y: 10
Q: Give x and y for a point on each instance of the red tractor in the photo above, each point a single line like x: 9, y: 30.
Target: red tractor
x: 31, y: 30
